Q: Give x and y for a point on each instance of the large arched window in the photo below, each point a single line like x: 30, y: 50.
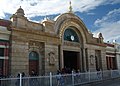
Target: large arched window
x: 70, y: 35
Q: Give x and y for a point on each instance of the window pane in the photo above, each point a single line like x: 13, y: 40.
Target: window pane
x: 1, y: 51
x: 33, y: 56
x: 70, y: 35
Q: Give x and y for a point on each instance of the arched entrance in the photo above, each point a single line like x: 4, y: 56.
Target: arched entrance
x: 34, y: 62
x: 71, y: 49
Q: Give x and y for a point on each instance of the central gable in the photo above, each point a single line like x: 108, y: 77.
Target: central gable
x: 70, y: 20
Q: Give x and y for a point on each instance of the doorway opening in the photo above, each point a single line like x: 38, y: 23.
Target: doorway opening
x: 1, y: 67
x: 33, y: 63
x: 71, y: 60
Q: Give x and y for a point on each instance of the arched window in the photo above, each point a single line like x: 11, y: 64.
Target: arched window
x: 33, y: 55
x: 70, y: 35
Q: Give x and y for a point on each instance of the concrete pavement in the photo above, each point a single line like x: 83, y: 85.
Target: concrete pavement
x: 114, y: 82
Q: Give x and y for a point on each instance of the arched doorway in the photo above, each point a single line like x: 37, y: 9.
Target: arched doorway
x: 34, y: 62
x: 71, y: 52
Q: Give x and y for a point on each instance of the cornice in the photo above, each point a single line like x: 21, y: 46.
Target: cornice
x: 35, y: 32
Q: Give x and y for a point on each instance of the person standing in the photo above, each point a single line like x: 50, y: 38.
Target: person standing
x: 23, y: 79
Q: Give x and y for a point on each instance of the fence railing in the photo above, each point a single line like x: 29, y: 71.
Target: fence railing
x: 60, y: 80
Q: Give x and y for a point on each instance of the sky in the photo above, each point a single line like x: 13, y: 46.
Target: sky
x: 98, y: 15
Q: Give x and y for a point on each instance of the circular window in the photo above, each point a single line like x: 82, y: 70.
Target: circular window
x: 70, y: 35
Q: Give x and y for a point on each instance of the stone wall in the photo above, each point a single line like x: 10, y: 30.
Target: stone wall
x: 51, y: 58
x: 19, y: 57
x: 91, y: 56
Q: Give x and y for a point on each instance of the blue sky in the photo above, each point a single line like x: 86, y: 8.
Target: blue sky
x: 98, y: 15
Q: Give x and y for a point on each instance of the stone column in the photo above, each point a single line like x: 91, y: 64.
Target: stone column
x: 87, y: 62
x: 61, y: 57
x: 103, y: 60
x: 118, y: 60
x: 80, y: 60
x: 83, y: 59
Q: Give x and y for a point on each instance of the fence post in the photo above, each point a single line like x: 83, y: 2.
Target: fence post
x: 72, y: 78
x: 111, y: 73
x: 101, y: 75
x: 20, y: 79
x: 89, y: 75
x: 50, y: 79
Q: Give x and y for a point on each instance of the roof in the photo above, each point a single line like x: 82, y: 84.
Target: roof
x: 5, y: 23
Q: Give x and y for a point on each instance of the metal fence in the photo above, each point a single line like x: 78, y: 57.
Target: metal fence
x: 60, y: 80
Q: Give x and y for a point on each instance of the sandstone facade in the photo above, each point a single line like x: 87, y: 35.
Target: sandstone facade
x: 47, y: 40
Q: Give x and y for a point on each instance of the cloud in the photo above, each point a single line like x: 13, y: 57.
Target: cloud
x: 111, y: 17
x: 109, y: 25
x: 34, y: 8
x: 89, y: 13
x: 112, y: 2
x: 2, y: 15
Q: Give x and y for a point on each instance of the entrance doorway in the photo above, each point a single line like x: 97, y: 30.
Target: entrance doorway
x: 1, y: 67
x: 33, y: 63
x: 71, y: 60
